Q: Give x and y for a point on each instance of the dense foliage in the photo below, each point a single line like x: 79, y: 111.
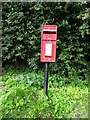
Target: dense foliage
x: 22, y: 24
x: 22, y: 96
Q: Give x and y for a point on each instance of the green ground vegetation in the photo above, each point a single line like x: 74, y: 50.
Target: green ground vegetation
x: 22, y: 96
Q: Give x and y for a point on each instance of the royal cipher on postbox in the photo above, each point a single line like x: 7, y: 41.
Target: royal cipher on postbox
x: 48, y: 43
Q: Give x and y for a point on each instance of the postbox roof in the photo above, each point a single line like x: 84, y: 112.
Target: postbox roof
x: 49, y: 27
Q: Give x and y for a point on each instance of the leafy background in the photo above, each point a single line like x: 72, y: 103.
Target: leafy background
x: 22, y: 24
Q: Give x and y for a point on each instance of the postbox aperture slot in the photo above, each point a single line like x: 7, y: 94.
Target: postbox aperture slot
x: 49, y: 32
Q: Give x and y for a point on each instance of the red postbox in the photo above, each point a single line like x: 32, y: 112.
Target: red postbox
x: 48, y: 43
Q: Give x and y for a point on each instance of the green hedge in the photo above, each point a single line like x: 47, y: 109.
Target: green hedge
x: 22, y: 24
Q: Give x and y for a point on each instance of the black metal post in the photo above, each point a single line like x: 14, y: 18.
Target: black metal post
x: 46, y: 78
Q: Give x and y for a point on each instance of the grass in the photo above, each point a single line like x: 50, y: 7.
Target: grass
x: 22, y: 96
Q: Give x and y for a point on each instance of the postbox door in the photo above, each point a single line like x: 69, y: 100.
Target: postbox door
x: 48, y: 43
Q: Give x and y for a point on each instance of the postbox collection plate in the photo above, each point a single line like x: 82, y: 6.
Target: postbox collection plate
x: 48, y: 43
x: 48, y: 50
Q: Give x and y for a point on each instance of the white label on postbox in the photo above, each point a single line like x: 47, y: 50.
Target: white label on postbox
x: 48, y: 50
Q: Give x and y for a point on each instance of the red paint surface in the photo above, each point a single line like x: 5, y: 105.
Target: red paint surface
x: 52, y: 36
